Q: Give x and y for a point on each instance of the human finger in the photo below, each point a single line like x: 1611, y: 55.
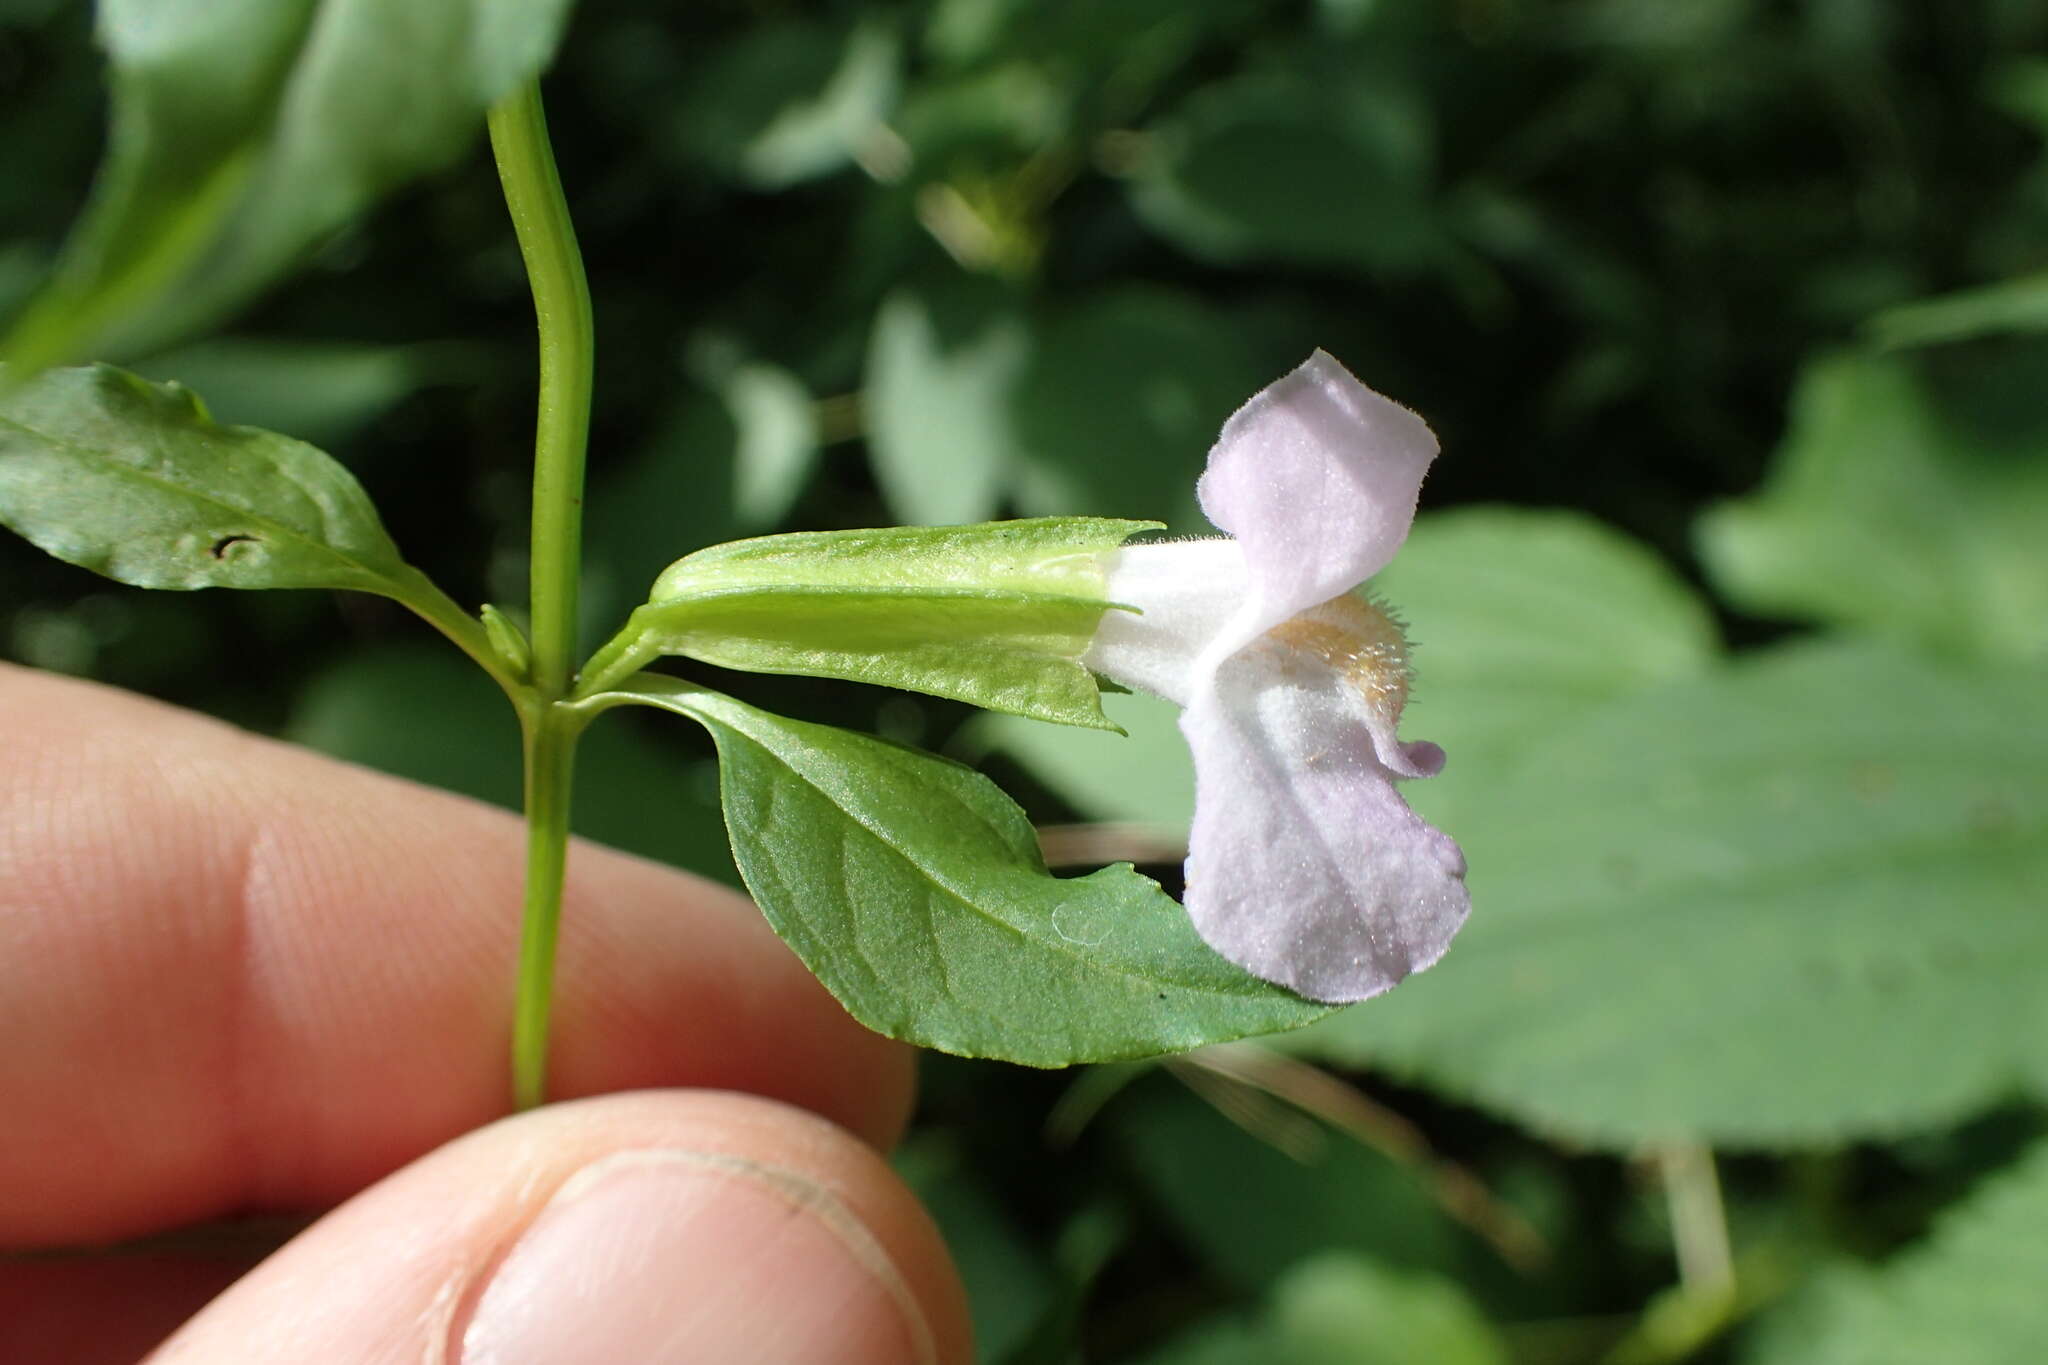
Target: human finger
x: 235, y: 975
x: 656, y: 1227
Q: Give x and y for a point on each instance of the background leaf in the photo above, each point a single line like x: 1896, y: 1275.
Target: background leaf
x: 1520, y: 620
x: 942, y: 371
x: 245, y: 131
x: 794, y: 100
x: 1970, y: 1292
x: 1886, y: 514
x: 1143, y: 776
x: 1007, y: 1288
x: 1841, y: 847
x: 777, y: 426
x: 323, y: 393
x: 2019, y: 305
x: 1339, y: 1309
x: 1250, y: 1209
x: 1283, y: 166
x: 725, y: 457
x: 914, y: 889
x: 1107, y: 408
x: 1123, y: 397
x: 1348, y: 1311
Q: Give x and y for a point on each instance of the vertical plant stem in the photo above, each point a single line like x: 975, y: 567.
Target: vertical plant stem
x: 1699, y: 1227
x: 561, y: 305
x: 561, y: 301
x: 550, y: 748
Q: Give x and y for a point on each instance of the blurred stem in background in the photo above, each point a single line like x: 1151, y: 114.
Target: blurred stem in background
x: 561, y: 298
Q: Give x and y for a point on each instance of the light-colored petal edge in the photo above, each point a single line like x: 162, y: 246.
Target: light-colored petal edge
x: 1305, y: 866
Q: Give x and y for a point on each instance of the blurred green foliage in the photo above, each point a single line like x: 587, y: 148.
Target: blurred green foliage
x: 1729, y: 603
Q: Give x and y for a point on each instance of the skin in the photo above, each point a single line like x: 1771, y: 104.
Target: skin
x: 237, y: 979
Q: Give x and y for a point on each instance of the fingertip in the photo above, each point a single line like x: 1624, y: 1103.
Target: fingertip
x: 663, y: 1226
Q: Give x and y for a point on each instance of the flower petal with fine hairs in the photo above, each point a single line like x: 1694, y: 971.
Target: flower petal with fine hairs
x: 1186, y: 592
x: 1305, y: 866
x: 1317, y: 478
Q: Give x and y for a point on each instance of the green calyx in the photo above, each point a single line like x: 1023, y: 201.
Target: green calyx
x: 997, y: 614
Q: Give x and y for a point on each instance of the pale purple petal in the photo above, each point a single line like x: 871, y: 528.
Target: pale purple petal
x: 1185, y: 591
x: 1317, y: 478
x: 1305, y: 866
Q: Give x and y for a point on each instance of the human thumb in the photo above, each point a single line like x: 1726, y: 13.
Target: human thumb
x: 660, y: 1227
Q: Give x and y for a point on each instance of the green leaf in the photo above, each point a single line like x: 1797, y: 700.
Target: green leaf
x: 1250, y: 1210
x: 133, y: 480
x: 1342, y: 1309
x: 1105, y: 408
x: 1133, y: 39
x: 1123, y: 397
x: 997, y: 614
x: 678, y: 491
x: 244, y: 131
x: 2019, y: 305
x: 1225, y: 1340
x: 1970, y: 1292
x: 2019, y: 86
x: 1339, y: 1309
x: 1145, y: 776
x: 20, y: 267
x: 790, y: 101
x: 320, y: 391
x: 1885, y: 513
x: 914, y: 889
x: 943, y: 368
x: 1794, y: 902
x: 1008, y: 1286
x: 1275, y: 167
x: 1516, y: 615
x: 776, y: 429
x: 1519, y: 619
x: 839, y: 124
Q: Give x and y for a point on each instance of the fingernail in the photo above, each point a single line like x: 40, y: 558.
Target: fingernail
x: 673, y: 1256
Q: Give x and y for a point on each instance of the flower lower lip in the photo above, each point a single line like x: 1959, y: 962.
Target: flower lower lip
x: 1358, y: 639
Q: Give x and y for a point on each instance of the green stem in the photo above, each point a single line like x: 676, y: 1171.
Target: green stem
x: 550, y: 748
x: 1699, y: 1225
x: 561, y: 302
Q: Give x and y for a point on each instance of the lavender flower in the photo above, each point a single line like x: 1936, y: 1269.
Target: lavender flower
x: 1305, y: 867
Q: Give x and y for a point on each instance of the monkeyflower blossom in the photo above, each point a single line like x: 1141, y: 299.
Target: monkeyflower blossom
x: 1305, y: 866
